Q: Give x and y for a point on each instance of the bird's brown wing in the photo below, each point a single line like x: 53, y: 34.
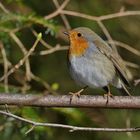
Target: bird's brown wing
x: 114, y: 57
x: 121, y: 69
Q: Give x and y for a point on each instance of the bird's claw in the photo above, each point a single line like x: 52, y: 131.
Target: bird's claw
x: 74, y: 94
x: 77, y: 94
x: 108, y: 95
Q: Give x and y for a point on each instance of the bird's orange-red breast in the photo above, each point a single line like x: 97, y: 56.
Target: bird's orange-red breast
x: 78, y: 45
x: 93, y: 63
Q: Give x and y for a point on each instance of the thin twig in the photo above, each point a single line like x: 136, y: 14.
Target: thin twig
x: 44, y: 83
x: 136, y: 82
x: 126, y: 46
x: 128, y: 124
x: 3, y: 8
x: 54, y: 49
x: 100, y: 18
x: 41, y: 40
x: 21, y: 28
x: 70, y: 127
x: 104, y: 29
x: 6, y: 65
x: 119, y: 14
x: 31, y: 129
x: 132, y: 65
x: 23, y: 49
x: 21, y: 62
x: 64, y: 18
x: 78, y: 14
x: 57, y: 12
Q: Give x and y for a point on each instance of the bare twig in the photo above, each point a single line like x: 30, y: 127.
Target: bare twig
x: 31, y: 129
x: 128, y: 124
x: 23, y: 49
x: 41, y: 40
x: 132, y: 65
x: 119, y: 14
x: 100, y: 18
x: 21, y: 62
x: 64, y: 18
x: 3, y: 8
x: 126, y: 46
x: 21, y: 28
x: 6, y: 65
x: 102, y: 26
x: 50, y: 49
x: 44, y: 83
x: 54, y: 49
x: 70, y: 127
x: 58, y: 11
x: 136, y: 82
x: 19, y: 43
x: 78, y: 14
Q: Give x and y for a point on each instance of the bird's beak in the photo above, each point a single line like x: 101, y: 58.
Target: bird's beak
x: 66, y: 33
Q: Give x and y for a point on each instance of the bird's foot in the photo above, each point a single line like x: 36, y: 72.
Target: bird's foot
x: 108, y: 95
x: 75, y: 94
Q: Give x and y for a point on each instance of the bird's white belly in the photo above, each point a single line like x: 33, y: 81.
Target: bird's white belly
x: 97, y: 71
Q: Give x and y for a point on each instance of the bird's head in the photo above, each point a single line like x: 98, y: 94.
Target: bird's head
x: 79, y: 38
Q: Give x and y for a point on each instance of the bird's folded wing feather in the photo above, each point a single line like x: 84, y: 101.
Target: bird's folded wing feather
x: 105, y: 49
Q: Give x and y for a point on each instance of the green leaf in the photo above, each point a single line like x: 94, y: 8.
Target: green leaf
x: 31, y: 114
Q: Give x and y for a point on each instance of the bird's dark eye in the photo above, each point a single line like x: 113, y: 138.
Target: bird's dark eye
x: 79, y: 34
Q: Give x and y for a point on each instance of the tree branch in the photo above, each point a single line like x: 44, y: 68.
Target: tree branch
x: 72, y: 128
x: 21, y: 62
x: 64, y: 101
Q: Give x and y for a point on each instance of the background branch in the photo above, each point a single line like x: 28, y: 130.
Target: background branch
x: 21, y: 62
x: 72, y: 128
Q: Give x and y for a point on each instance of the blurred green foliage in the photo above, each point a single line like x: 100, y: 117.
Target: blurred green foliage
x: 24, y: 17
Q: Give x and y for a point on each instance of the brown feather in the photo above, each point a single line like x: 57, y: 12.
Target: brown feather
x: 114, y: 57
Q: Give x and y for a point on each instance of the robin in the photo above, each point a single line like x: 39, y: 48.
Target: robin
x: 93, y: 63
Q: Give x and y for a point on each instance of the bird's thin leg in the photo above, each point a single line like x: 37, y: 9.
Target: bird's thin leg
x: 108, y: 94
x: 78, y: 93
